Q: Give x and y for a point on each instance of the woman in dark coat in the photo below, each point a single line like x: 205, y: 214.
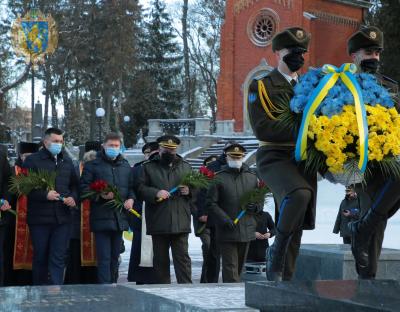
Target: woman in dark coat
x: 265, y: 230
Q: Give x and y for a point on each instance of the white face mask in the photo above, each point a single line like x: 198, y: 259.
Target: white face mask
x: 237, y: 164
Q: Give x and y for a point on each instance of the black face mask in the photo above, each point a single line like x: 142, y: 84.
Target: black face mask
x: 167, y: 158
x: 370, y: 66
x: 294, y: 61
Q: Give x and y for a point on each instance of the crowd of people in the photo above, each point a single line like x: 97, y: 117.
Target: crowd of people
x: 61, y: 235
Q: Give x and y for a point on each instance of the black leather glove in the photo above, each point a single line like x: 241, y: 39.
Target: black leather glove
x: 229, y: 225
x: 252, y: 208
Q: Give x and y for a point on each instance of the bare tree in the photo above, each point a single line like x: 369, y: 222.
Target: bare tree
x: 187, y: 97
x: 206, y: 20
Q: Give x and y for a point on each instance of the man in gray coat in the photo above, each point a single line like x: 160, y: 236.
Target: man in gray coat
x: 223, y: 200
x: 168, y: 217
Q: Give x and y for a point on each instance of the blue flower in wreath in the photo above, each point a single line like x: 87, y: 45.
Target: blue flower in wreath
x: 339, y: 95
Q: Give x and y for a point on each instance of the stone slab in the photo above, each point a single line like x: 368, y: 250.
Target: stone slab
x: 327, y: 296
x: 331, y: 261
x: 124, y: 297
x: 335, y: 262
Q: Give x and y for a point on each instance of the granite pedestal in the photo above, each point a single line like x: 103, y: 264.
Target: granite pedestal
x: 124, y: 297
x: 336, y: 262
x: 327, y: 296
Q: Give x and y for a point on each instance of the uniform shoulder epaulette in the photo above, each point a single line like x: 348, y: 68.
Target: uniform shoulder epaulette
x: 261, y: 76
x: 389, y: 79
x: 249, y: 170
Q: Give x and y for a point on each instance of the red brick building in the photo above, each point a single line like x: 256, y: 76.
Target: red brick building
x: 246, y: 44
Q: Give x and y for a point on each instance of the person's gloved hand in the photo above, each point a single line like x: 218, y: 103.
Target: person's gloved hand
x: 229, y: 225
x: 252, y: 208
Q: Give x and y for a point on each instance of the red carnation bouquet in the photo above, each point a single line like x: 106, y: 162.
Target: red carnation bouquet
x: 101, y: 187
x: 207, y: 172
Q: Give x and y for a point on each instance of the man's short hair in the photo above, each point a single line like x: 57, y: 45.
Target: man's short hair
x: 51, y: 131
x: 112, y: 137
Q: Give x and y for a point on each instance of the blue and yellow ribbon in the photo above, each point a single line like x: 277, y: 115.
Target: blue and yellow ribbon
x: 345, y: 73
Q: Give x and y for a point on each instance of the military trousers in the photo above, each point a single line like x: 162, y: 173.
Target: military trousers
x: 2, y: 235
x: 180, y: 255
x: 234, y: 256
x: 291, y: 255
x: 384, y: 200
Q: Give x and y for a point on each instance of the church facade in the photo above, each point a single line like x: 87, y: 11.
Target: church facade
x: 246, y: 45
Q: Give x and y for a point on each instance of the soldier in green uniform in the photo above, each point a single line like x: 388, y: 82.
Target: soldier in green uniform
x: 223, y: 201
x: 168, y: 217
x: 294, y: 190
x: 365, y: 47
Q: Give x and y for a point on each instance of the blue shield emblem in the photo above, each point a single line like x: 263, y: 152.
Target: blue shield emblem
x: 36, y: 35
x: 252, y: 97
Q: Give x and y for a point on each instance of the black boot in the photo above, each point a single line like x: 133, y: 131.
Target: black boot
x: 361, y: 233
x: 276, y: 256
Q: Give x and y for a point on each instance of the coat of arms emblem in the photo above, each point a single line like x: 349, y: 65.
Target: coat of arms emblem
x: 34, y: 36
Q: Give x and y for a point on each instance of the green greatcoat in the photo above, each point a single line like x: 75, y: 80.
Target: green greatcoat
x: 275, y: 161
x: 223, y: 202
x: 170, y: 216
x: 370, y: 193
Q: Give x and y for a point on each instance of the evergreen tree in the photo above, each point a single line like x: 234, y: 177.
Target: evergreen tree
x: 385, y: 15
x: 162, y: 60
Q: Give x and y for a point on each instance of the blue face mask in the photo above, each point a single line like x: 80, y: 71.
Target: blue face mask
x: 55, y: 148
x: 111, y: 152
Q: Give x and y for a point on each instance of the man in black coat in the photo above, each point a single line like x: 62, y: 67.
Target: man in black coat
x: 214, y: 255
x: 202, y: 228
x: 136, y: 273
x: 5, y: 174
x: 49, y: 211
x: 108, y: 222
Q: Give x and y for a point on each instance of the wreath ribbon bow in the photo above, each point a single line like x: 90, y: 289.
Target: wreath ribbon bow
x: 332, y: 75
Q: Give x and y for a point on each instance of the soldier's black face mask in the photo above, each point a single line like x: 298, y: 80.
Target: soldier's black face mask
x: 167, y: 157
x: 294, y: 60
x: 370, y: 65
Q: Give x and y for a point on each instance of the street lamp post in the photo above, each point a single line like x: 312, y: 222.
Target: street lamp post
x: 127, y: 119
x: 100, y: 112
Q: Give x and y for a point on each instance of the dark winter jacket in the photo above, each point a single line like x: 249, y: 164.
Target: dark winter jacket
x: 258, y: 247
x: 104, y: 217
x: 353, y: 206
x: 5, y: 174
x: 223, y: 201
x: 171, y: 216
x: 201, y: 202
x: 40, y: 209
